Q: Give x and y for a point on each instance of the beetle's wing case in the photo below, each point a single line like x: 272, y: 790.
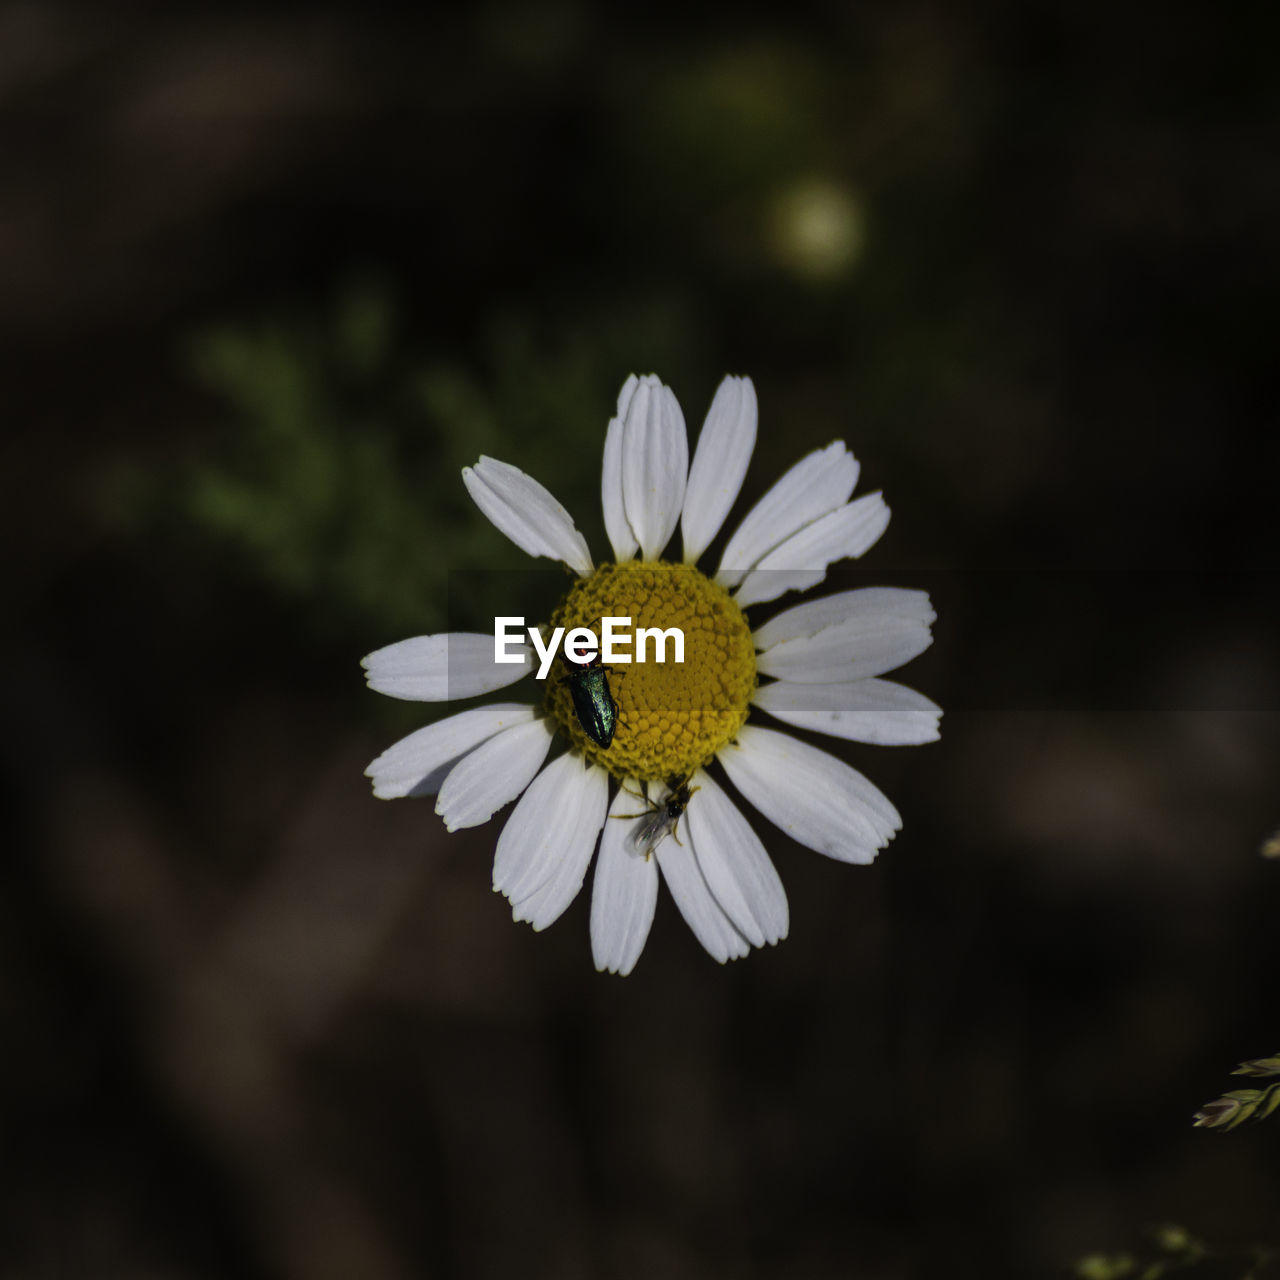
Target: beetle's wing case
x: 593, y: 704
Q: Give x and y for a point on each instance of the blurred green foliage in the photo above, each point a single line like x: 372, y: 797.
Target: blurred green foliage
x: 1173, y: 1250
x: 306, y: 480
x: 332, y: 476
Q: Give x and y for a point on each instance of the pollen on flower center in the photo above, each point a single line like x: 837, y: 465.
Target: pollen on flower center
x: 673, y: 716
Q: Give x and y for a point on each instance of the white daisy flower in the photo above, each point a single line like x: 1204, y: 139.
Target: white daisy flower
x: 824, y: 660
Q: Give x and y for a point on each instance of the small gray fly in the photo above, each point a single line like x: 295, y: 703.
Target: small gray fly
x: 660, y: 820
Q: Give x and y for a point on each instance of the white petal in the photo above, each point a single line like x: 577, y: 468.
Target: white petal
x: 816, y: 799
x: 623, y: 896
x: 801, y: 562
x: 725, y: 446
x: 818, y: 483
x: 418, y: 764
x: 444, y: 667
x: 816, y: 615
x: 544, y: 849
x: 546, y: 904
x: 621, y: 538
x: 697, y: 904
x: 527, y: 849
x: 624, y: 396
x: 526, y: 512
x: 876, y: 711
x: 867, y: 644
x: 655, y: 465
x: 493, y: 774
x: 735, y: 865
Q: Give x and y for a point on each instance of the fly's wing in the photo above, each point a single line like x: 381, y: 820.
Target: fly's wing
x: 648, y: 832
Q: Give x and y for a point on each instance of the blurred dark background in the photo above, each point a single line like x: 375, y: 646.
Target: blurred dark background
x: 268, y: 278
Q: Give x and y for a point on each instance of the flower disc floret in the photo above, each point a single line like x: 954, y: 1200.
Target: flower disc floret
x: 672, y: 716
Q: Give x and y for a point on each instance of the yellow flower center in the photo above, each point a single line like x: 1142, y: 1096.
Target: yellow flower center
x: 672, y: 716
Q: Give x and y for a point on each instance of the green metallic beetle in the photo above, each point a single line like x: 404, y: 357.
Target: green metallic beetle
x: 596, y: 710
